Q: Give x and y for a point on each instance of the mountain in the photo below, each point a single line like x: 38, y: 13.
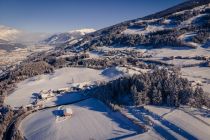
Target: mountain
x: 184, y: 25
x: 70, y: 37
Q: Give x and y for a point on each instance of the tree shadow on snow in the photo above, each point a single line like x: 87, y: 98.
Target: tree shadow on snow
x: 161, y: 130
x: 82, y: 100
x: 128, y: 128
x: 202, y: 112
x: 118, y: 118
x: 57, y: 113
x: 35, y: 96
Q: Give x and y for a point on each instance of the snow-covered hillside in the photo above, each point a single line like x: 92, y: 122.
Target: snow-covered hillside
x: 170, y: 27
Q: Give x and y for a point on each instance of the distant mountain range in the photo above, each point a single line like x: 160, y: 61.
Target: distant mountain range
x: 11, y: 38
x: 184, y: 25
x: 70, y: 37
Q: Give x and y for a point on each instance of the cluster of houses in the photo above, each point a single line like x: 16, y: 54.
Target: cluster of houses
x: 44, y: 95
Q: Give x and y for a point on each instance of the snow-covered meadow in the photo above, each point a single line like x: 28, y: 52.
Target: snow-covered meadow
x: 91, y: 120
x: 199, y: 74
x: 27, y: 90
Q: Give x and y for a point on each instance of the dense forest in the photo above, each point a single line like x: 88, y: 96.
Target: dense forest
x: 160, y: 87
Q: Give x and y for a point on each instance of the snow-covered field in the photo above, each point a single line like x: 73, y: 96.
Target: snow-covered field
x: 182, y: 62
x: 170, y: 123
x: 180, y: 124
x: 91, y: 120
x: 160, y: 53
x: 175, y: 51
x: 144, y: 31
x: 201, y: 74
x: 27, y: 90
x: 177, y: 62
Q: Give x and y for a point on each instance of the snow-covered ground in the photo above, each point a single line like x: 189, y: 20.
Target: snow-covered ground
x: 180, y: 124
x: 94, y: 54
x: 144, y: 31
x: 160, y: 53
x: 171, y: 123
x: 177, y: 62
x: 191, y: 20
x: 27, y: 90
x: 181, y: 62
x: 200, y: 74
x: 176, y: 51
x: 186, y: 36
x: 187, y: 39
x: 91, y: 120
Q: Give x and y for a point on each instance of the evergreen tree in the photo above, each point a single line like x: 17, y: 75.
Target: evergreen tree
x: 156, y: 97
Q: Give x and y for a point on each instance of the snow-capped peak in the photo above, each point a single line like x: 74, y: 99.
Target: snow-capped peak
x: 82, y: 31
x: 68, y: 36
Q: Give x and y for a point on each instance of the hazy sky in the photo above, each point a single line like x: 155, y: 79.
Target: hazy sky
x: 65, y: 15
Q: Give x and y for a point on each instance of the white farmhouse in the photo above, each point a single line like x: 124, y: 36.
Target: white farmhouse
x: 46, y: 94
x: 67, y: 112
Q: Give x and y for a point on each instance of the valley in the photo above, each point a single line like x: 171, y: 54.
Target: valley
x: 12, y: 58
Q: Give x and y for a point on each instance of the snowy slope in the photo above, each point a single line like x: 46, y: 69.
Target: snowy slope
x: 166, y: 28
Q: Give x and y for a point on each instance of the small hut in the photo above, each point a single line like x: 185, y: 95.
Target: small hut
x: 67, y: 112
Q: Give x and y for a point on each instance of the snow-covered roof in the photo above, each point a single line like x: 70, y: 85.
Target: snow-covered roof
x: 68, y: 110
